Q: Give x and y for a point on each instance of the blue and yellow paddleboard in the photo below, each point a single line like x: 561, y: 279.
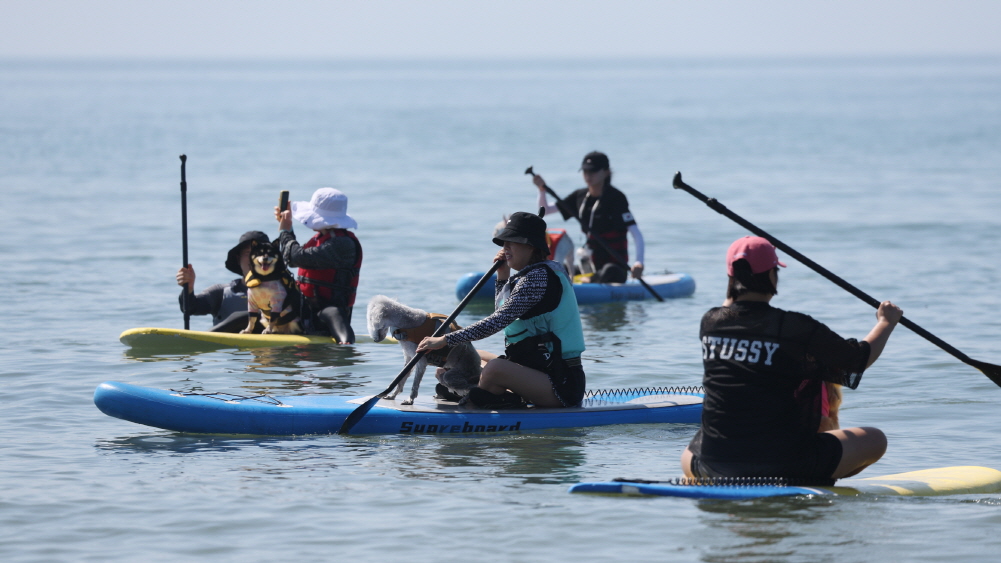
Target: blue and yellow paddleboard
x: 927, y: 482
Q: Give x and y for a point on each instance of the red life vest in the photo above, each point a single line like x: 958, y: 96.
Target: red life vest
x: 337, y: 285
x: 553, y: 237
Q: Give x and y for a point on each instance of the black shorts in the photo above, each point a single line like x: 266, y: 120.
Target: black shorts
x: 567, y: 379
x: 814, y: 466
x: 569, y: 383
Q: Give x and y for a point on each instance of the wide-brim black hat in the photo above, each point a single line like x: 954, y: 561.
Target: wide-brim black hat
x: 526, y: 228
x: 233, y: 258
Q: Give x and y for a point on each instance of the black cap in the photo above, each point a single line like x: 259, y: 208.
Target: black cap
x: 233, y: 258
x: 594, y: 161
x: 526, y: 228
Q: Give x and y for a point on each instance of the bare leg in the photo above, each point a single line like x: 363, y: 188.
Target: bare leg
x: 501, y: 375
x: 486, y: 357
x: 861, y: 447
x: 686, y: 463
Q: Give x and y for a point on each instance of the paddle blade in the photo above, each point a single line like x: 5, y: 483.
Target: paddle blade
x: 357, y: 415
x: 992, y: 371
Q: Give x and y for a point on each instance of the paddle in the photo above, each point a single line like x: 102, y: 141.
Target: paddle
x: 184, y: 238
x: 992, y: 371
x: 363, y: 409
x: 611, y: 253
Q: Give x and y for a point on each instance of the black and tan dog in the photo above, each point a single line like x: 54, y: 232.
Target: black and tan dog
x: 272, y: 293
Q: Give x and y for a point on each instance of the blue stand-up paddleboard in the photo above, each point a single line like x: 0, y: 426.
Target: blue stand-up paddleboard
x: 666, y: 285
x: 927, y: 482
x: 220, y: 413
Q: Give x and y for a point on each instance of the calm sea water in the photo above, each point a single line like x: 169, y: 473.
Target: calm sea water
x: 884, y: 171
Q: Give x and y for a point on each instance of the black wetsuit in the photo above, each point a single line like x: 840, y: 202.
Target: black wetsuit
x: 227, y: 303
x: 609, y: 218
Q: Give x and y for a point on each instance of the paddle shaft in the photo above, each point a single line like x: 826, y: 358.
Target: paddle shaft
x: 611, y: 253
x: 184, y: 239
x: 992, y: 371
x: 363, y: 409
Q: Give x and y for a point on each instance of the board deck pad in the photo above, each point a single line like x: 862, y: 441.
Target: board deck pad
x: 153, y: 337
x: 926, y: 482
x: 224, y: 413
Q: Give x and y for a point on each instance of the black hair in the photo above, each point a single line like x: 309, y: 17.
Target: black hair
x: 538, y: 255
x: 744, y: 281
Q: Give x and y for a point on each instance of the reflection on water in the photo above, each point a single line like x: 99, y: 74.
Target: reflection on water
x: 269, y: 370
x: 174, y: 443
x: 303, y: 368
x: 604, y: 317
x: 759, y: 529
x: 165, y: 355
x: 292, y: 360
x: 549, y: 458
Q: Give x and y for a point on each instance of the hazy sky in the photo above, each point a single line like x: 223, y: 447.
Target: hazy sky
x: 254, y: 29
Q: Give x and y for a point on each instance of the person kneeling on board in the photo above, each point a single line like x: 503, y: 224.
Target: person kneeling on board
x: 765, y: 371
x: 537, y: 310
x: 329, y: 263
x: 603, y: 212
x: 227, y: 303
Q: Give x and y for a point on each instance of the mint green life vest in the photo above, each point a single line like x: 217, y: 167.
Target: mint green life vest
x: 563, y: 321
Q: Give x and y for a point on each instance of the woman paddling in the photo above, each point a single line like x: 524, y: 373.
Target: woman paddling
x: 329, y: 262
x: 603, y: 211
x: 765, y: 370
x: 537, y: 311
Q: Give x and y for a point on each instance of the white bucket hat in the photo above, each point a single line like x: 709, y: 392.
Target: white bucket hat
x: 327, y: 210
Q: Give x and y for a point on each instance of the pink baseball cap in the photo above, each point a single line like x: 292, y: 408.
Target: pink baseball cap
x: 758, y: 252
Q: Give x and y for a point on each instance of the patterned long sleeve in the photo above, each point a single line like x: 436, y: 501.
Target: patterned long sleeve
x: 527, y: 292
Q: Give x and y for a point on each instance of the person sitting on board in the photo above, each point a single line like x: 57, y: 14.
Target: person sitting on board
x: 329, y: 263
x: 603, y: 211
x: 227, y: 303
x: 537, y: 310
x: 765, y: 371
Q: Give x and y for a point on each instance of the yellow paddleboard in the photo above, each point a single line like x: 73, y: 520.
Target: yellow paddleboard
x: 965, y: 479
x: 928, y: 482
x: 150, y: 337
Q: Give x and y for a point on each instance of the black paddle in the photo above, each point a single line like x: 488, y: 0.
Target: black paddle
x: 184, y: 238
x: 611, y: 253
x: 363, y: 409
x: 992, y: 371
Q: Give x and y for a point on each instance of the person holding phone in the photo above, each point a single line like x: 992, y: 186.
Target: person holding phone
x: 329, y: 263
